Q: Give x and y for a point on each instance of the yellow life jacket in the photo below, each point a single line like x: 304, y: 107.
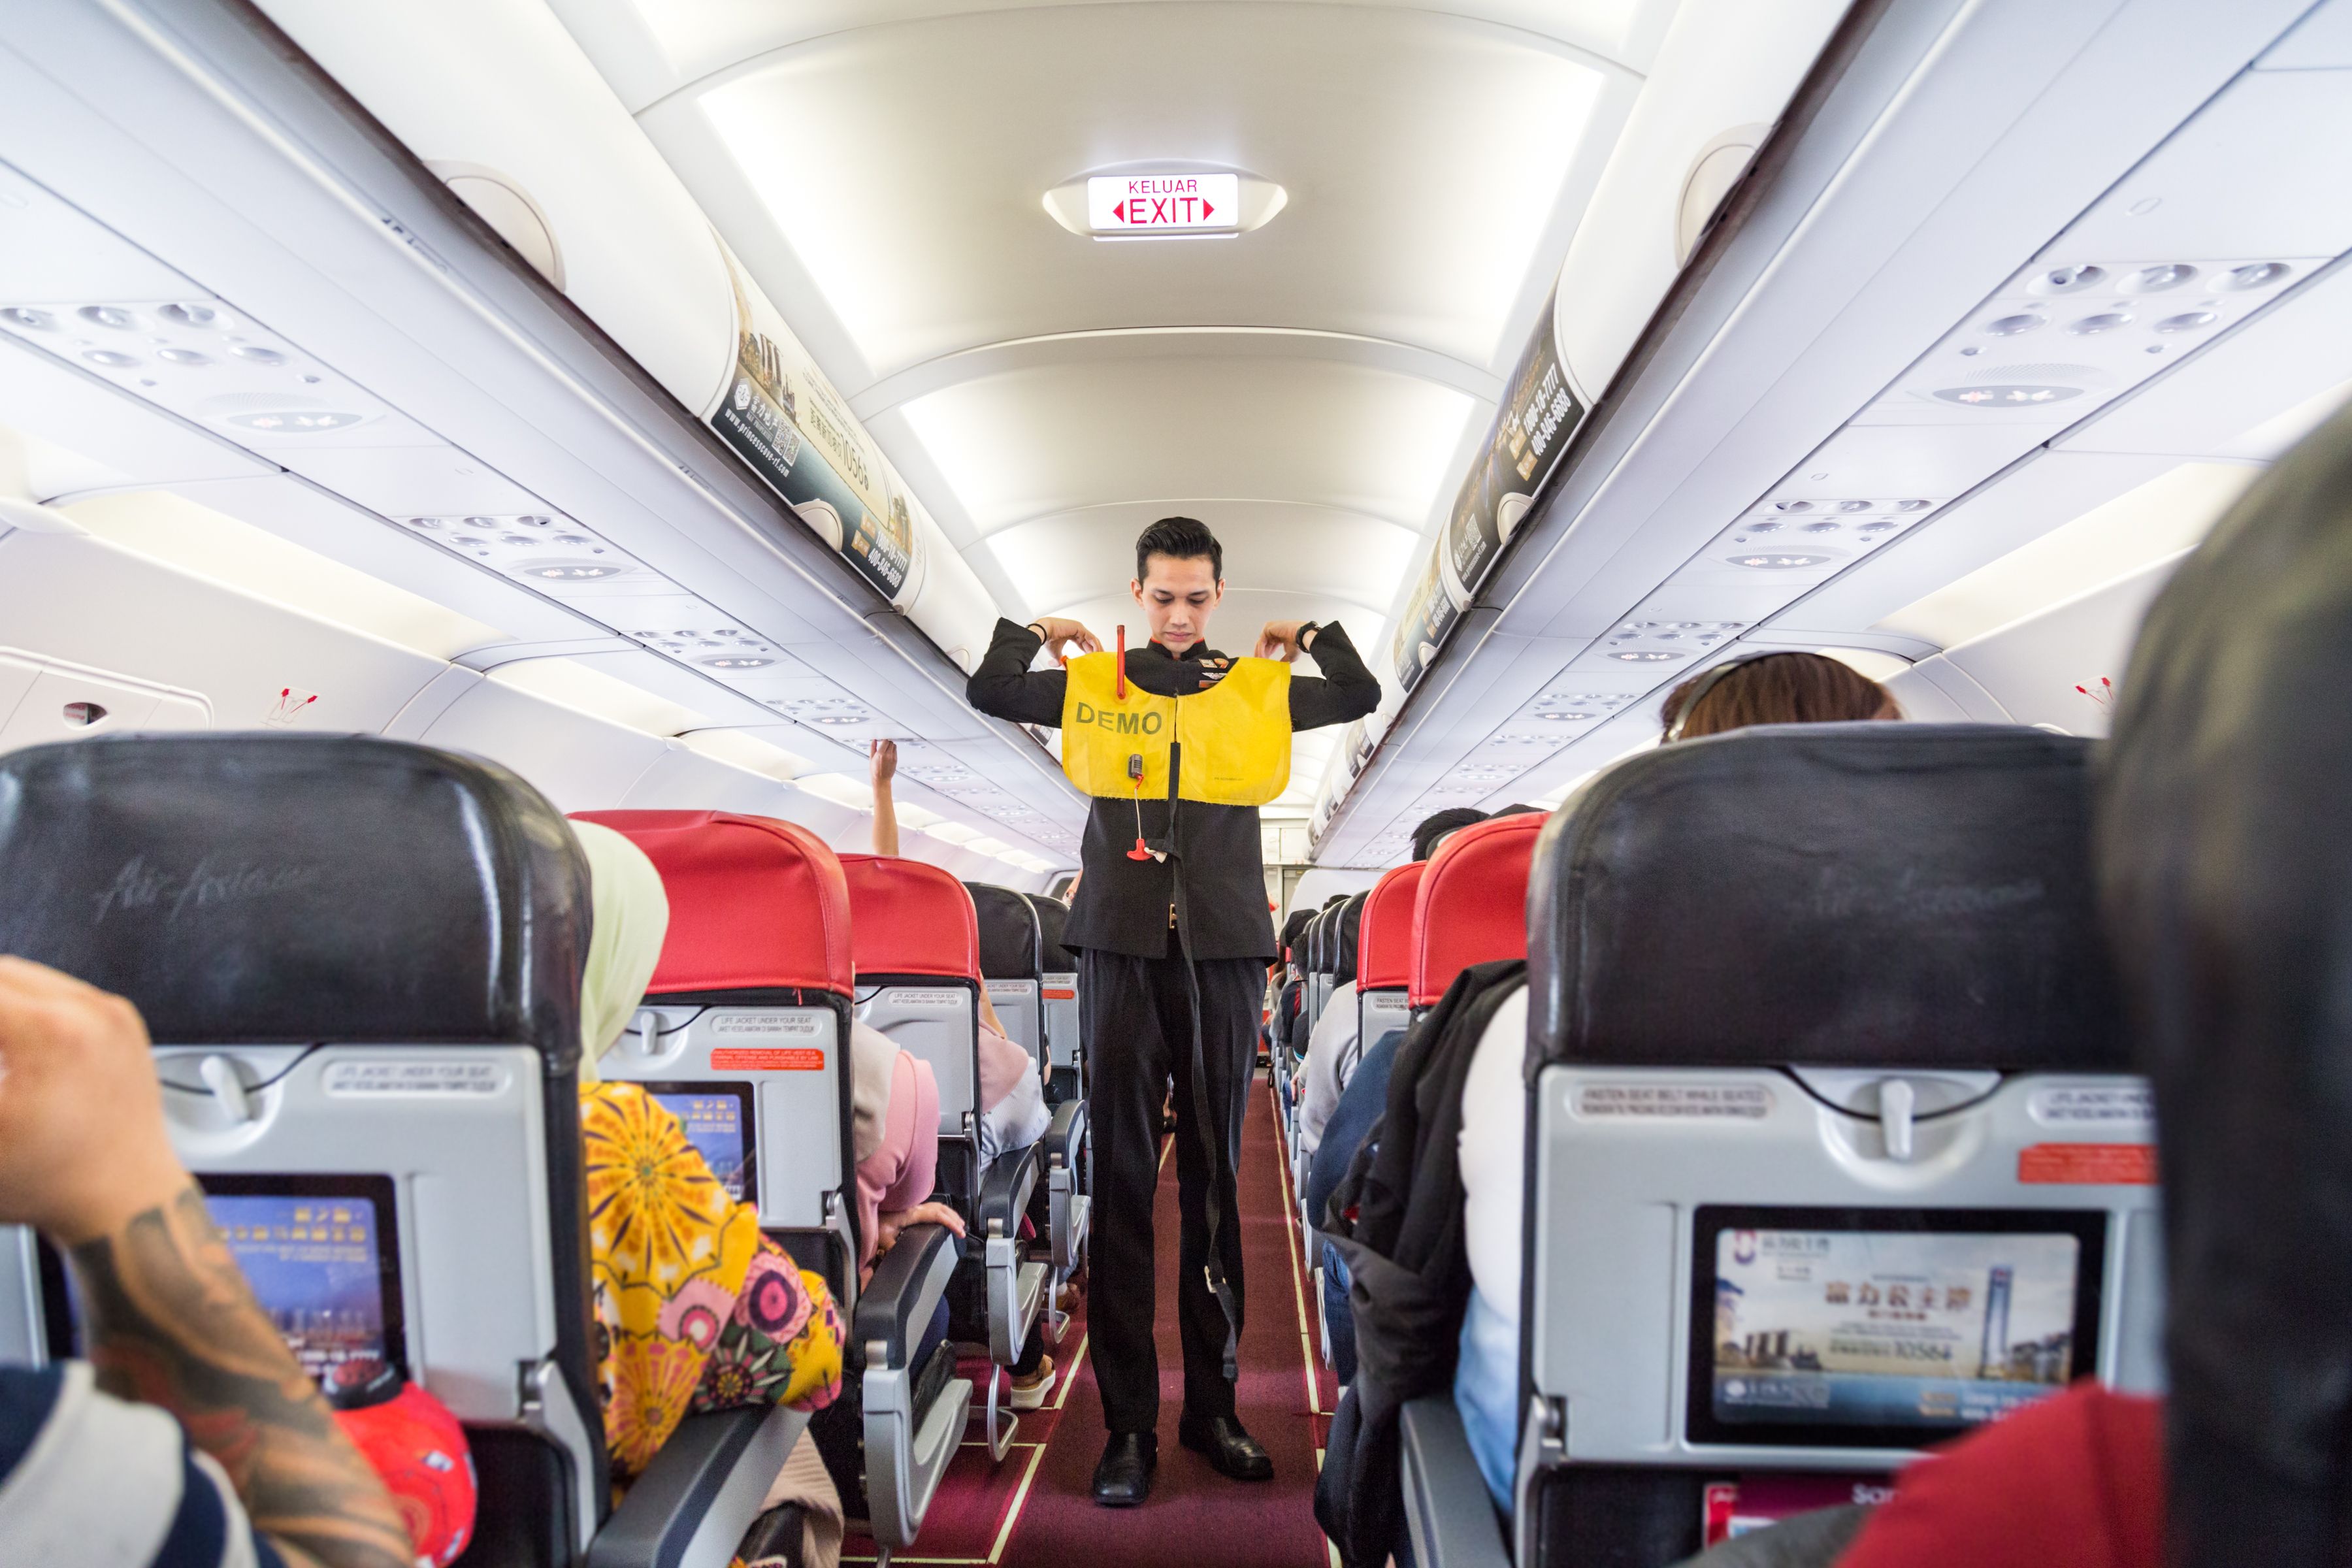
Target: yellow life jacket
x: 1235, y: 735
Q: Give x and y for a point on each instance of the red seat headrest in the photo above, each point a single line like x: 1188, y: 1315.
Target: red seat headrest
x: 755, y: 904
x: 1472, y: 907
x: 1384, y: 939
x: 909, y: 918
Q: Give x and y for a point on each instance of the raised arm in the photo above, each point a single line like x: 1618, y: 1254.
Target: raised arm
x: 885, y: 755
x: 170, y: 1319
x: 1005, y: 686
x: 1345, y: 689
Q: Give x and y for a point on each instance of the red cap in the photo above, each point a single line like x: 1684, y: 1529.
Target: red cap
x: 1385, y: 935
x: 911, y: 918
x: 1471, y: 906
x: 754, y: 903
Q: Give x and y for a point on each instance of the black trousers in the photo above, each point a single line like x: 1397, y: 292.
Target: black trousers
x: 1139, y: 1034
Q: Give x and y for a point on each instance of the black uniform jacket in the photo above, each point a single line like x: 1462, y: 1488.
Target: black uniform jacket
x: 1122, y: 905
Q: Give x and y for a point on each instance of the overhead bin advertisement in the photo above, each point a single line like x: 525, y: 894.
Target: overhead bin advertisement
x: 1529, y: 432
x: 783, y: 418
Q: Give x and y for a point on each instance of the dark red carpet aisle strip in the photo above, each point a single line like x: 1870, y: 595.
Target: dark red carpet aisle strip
x: 1035, y: 1510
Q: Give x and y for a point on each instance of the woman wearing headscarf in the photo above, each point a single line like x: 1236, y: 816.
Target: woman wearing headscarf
x: 695, y: 1309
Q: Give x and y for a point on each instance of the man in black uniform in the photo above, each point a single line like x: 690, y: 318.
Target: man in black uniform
x: 1139, y: 1000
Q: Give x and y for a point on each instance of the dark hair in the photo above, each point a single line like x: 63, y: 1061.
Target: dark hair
x: 1778, y: 688
x: 1438, y: 823
x: 1184, y: 538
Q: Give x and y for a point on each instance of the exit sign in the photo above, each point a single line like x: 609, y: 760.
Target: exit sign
x: 1163, y: 204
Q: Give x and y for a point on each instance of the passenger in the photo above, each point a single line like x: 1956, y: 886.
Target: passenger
x: 1771, y: 689
x: 1332, y: 1048
x: 1774, y: 688
x: 1012, y: 1110
x: 228, y: 1453
x: 698, y: 1309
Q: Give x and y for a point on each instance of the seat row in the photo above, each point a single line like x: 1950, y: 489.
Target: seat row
x: 1804, y: 1135
x: 360, y: 961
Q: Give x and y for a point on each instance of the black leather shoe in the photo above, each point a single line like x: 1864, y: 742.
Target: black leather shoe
x: 1232, y: 1451
x: 1123, y: 1478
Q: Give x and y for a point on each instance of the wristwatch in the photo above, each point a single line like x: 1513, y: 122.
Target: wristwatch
x: 1307, y: 632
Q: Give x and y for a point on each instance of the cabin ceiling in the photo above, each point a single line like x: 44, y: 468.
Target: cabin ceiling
x: 1312, y: 388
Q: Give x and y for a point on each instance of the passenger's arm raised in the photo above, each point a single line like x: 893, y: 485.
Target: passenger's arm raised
x: 84, y: 1156
x: 885, y: 755
x: 1003, y: 684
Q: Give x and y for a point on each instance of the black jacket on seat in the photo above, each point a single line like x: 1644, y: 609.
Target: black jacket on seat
x: 1122, y: 905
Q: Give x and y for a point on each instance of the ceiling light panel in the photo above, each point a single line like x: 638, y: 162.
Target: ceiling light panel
x: 1425, y: 98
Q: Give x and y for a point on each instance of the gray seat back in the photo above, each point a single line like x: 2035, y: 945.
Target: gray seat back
x: 1818, y: 1016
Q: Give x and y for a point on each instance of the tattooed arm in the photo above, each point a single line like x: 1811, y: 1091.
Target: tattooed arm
x: 170, y: 1320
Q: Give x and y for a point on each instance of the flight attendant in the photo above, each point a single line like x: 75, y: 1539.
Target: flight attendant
x: 1134, y: 923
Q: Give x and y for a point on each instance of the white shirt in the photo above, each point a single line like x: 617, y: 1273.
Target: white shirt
x: 1494, y: 1169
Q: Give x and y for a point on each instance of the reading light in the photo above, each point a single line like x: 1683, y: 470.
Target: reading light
x: 733, y: 662
x: 110, y: 358
x: 256, y: 355
x: 190, y: 315
x: 33, y: 320
x: 297, y: 423
x: 114, y: 317
x: 1789, y: 563
x: 568, y: 570
x: 1639, y: 657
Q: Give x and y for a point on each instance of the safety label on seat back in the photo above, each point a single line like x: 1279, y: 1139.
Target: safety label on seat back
x: 2087, y: 1165
x: 1680, y: 1101
x: 353, y: 1079
x: 2094, y: 1103
x: 752, y: 1060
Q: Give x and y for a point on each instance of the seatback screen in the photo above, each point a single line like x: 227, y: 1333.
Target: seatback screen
x: 322, y: 1254
x: 1885, y: 1328
x: 716, y: 1119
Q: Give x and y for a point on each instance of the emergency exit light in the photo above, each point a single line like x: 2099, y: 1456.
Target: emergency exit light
x: 1164, y: 204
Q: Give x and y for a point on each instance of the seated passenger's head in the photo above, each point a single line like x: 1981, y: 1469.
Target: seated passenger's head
x: 624, y: 943
x: 1775, y: 688
x: 1438, y: 823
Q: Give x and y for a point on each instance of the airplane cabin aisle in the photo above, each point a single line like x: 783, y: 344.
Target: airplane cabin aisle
x: 1034, y: 1511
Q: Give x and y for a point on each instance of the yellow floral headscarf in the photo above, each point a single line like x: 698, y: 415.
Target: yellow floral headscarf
x: 693, y: 1311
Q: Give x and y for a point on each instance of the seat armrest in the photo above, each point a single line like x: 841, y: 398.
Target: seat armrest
x: 703, y: 1490
x: 897, y: 1304
x: 1004, y: 1191
x: 1447, y: 1508
x: 1060, y: 1143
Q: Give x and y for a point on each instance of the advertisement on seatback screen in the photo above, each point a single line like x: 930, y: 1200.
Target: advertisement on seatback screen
x: 1824, y: 1327
x: 314, y: 1267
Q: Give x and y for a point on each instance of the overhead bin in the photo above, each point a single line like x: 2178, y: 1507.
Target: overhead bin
x: 497, y: 98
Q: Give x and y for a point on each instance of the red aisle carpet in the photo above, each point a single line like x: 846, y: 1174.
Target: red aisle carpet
x: 1034, y: 1511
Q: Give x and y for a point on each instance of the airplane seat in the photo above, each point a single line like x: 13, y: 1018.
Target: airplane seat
x: 915, y: 948
x: 1384, y: 970
x: 1068, y: 1171
x: 359, y: 961
x: 744, y: 1036
x: 1470, y: 905
x: 1012, y: 963
x: 1384, y: 956
x: 1826, y: 1083
x: 1058, y: 994
x: 2228, y: 885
